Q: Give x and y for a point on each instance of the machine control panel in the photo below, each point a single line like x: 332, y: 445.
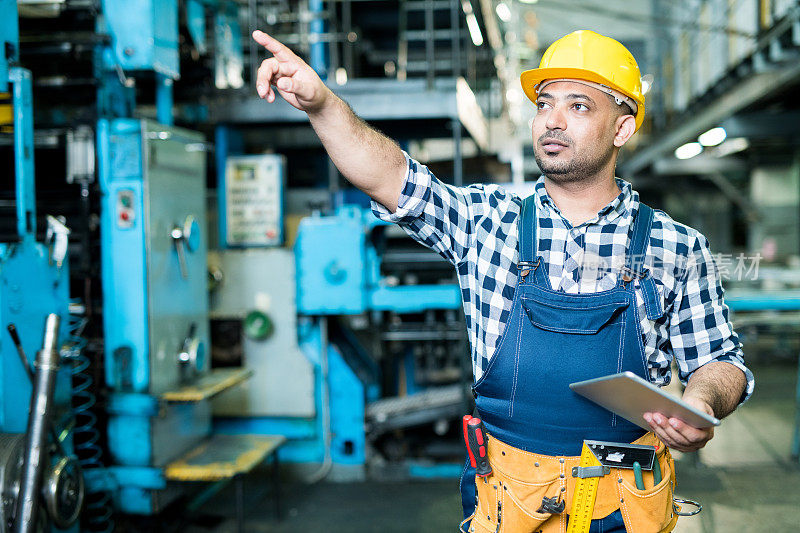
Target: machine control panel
x: 126, y: 212
x: 253, y: 206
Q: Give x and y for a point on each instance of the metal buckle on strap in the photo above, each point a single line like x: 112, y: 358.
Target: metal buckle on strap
x: 629, y: 274
x: 590, y: 471
x: 526, y: 266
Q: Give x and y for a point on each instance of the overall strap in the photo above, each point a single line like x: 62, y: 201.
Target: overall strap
x: 527, y: 223
x: 634, y: 262
x: 642, y: 223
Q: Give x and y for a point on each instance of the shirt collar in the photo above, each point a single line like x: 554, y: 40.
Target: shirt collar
x: 625, y: 203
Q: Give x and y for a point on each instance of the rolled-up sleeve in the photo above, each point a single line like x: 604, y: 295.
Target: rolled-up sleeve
x: 435, y: 214
x: 700, y: 329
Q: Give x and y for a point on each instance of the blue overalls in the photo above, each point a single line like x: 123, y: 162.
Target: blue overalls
x: 553, y: 339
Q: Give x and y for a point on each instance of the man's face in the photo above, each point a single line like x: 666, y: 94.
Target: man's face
x: 573, y: 131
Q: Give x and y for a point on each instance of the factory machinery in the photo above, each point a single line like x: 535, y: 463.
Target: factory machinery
x: 360, y: 336
x: 41, y: 478
x: 183, y: 330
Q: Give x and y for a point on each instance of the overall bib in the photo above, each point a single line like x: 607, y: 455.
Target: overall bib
x: 551, y: 340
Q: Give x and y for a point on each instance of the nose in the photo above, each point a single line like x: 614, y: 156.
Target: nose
x: 556, y: 119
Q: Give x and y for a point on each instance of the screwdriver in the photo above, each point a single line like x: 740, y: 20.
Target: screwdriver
x: 475, y: 439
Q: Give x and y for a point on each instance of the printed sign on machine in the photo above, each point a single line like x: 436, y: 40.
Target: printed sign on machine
x: 253, y: 200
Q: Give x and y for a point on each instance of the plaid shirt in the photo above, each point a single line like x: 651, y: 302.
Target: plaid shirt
x: 475, y: 229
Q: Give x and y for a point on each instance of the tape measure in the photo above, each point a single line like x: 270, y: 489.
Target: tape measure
x: 580, y: 514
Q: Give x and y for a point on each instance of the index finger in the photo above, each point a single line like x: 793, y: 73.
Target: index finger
x: 277, y: 48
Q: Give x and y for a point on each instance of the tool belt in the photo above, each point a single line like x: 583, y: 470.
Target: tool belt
x: 526, y: 492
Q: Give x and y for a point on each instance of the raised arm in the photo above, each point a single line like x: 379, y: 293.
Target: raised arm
x: 366, y: 158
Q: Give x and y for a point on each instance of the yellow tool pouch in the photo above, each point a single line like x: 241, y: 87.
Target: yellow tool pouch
x: 510, y: 498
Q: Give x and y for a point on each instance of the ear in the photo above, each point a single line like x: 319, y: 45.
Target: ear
x: 624, y: 128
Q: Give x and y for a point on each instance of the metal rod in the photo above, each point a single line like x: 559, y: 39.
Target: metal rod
x: 12, y: 330
x: 36, y: 436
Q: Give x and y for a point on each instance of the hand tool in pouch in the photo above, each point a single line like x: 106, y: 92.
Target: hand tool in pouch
x: 475, y: 439
x: 597, y: 459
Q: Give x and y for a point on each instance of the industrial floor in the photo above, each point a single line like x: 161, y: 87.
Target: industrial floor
x: 744, y: 478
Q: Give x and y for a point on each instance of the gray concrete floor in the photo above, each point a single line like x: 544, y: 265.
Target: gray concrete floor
x: 745, y: 479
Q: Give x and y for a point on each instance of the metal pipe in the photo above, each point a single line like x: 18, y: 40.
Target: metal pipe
x: 429, y: 51
x: 458, y: 167
x: 23, y: 152
x: 455, y: 27
x: 327, y: 462
x: 164, y: 99
x: 35, y: 459
x: 318, y: 60
x: 12, y: 330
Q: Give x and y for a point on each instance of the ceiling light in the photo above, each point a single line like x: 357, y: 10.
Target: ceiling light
x: 713, y: 137
x: 503, y: 11
x: 528, y: 1
x: 474, y: 29
x: 732, y: 146
x: 688, y: 150
x: 341, y: 76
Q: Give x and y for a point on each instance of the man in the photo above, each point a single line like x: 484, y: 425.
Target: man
x: 579, y: 280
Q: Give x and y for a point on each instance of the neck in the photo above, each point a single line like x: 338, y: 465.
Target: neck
x: 580, y: 201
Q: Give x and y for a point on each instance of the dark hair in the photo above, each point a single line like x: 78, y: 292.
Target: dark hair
x: 624, y: 108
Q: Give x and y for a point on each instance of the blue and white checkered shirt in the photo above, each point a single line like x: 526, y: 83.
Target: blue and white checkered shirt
x: 475, y: 229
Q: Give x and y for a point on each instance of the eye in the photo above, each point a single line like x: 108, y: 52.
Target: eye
x: 581, y: 107
x: 541, y: 105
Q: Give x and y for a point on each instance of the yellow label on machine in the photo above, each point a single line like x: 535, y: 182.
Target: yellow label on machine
x: 580, y: 515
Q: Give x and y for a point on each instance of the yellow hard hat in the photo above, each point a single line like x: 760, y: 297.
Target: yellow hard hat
x: 587, y: 55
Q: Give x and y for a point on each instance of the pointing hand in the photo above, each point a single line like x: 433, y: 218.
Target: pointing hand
x: 295, y: 81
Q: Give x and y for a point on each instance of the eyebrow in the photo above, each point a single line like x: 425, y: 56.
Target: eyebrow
x: 571, y: 96
x: 579, y: 96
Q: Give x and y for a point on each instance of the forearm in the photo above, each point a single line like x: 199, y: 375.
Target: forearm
x: 718, y: 384
x: 366, y: 158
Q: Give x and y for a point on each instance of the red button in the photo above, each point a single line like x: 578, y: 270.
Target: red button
x: 124, y: 216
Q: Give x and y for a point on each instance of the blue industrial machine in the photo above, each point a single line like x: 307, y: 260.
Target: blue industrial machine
x: 153, y: 247
x: 323, y: 313
x: 346, y: 278
x: 34, y: 284
x: 154, y: 283
x: 339, y: 272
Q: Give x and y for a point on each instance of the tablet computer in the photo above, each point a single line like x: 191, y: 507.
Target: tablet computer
x: 630, y: 396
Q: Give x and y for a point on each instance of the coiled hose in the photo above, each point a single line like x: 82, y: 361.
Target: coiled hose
x: 97, y: 514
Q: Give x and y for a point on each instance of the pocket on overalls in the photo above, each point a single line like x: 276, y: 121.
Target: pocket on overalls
x: 509, y: 504
x: 649, y: 510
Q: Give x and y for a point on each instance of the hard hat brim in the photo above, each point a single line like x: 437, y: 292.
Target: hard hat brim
x: 531, y: 78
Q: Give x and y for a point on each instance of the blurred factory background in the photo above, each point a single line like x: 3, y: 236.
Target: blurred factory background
x: 243, y: 346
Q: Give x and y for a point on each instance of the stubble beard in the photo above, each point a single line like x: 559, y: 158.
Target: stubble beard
x: 581, y: 167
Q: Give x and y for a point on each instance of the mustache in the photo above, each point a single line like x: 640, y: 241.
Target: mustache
x: 555, y: 136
